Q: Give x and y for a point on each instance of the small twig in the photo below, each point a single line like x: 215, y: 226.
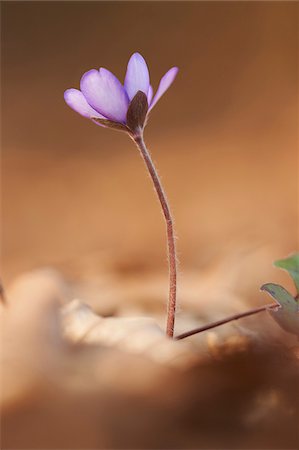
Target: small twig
x: 209, y: 326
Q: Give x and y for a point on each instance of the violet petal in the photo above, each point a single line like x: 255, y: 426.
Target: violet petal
x: 165, y: 83
x: 150, y: 95
x: 105, y: 94
x: 137, y: 76
x: 76, y: 100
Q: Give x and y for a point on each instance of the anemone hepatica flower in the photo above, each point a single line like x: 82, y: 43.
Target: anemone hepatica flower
x: 104, y: 100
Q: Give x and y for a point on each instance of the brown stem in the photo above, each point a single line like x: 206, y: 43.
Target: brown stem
x: 138, y: 139
x: 2, y: 294
x: 228, y: 319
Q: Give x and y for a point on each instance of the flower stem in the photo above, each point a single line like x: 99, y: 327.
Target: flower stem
x: 172, y: 261
x: 209, y: 326
x: 2, y: 293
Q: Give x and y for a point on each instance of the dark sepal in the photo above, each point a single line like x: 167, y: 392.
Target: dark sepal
x: 110, y: 124
x: 137, y: 112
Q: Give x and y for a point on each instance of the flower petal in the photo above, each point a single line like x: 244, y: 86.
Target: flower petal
x: 105, y: 94
x: 165, y: 83
x: 150, y: 95
x: 76, y: 100
x: 137, y: 76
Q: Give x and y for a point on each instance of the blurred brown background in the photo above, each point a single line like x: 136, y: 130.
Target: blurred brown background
x: 77, y: 198
x: 224, y: 138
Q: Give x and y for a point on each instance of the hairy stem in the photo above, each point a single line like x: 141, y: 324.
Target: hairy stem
x: 209, y: 326
x: 138, y: 139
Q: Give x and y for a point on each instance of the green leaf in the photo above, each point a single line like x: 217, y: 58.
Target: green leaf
x: 287, y: 312
x: 291, y: 265
x: 282, y: 296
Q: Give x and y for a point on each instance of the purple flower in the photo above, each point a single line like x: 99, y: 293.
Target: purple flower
x: 104, y: 100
